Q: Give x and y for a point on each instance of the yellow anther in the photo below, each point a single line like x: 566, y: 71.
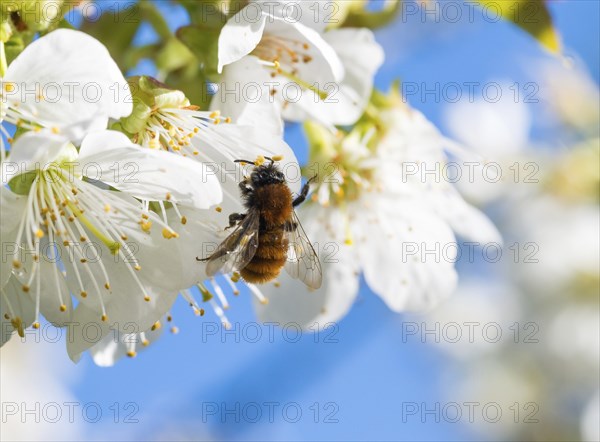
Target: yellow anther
x: 264, y: 301
x: 168, y: 234
x: 277, y: 158
x: 147, y: 298
x: 17, y: 323
x: 228, y: 120
x: 9, y: 87
x: 137, y: 267
x: 16, y: 264
x: 235, y: 277
x: 104, y: 318
x: 156, y: 326
x: 146, y: 225
x: 131, y: 354
x: 196, y: 130
x: 107, y: 208
x: 174, y: 330
x: 55, y: 130
x: 36, y: 325
x: 215, y: 114
x: 107, y: 286
x: 145, y: 343
x: 168, y: 196
x: 259, y: 160
x: 183, y: 220
x: 219, y: 209
x: 39, y: 233
x: 63, y: 308
x: 25, y: 288
x: 83, y: 294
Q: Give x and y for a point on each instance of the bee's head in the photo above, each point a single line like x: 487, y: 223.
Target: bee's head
x: 267, y: 174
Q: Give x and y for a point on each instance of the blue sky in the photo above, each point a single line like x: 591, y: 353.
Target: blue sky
x: 368, y: 372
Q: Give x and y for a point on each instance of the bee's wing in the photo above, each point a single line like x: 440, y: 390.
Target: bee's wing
x: 302, y: 260
x: 238, y: 249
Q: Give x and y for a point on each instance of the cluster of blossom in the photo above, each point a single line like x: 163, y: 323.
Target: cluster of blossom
x: 106, y: 202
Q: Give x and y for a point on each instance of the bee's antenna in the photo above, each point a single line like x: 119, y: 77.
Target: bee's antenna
x: 243, y: 161
x: 270, y: 159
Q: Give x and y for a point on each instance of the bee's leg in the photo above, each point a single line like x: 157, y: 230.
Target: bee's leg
x: 245, y: 187
x: 234, y: 218
x: 304, y: 193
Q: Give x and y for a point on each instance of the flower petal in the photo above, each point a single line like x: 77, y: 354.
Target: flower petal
x: 13, y: 208
x: 240, y: 36
x: 74, y: 77
x: 110, y: 157
x: 13, y: 304
x: 30, y: 151
x: 244, y: 96
x: 361, y: 56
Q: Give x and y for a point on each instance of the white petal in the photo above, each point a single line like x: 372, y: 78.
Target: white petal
x: 325, y: 65
x: 397, y: 266
x: 292, y: 302
x: 467, y: 221
x: 116, y: 345
x: 127, y: 315
x: 244, y: 96
x: 31, y: 150
x: 110, y: 157
x: 20, y: 306
x: 239, y: 37
x: 76, y: 77
x: 361, y: 56
x: 13, y: 208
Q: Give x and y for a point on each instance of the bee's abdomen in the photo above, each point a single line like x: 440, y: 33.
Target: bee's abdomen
x: 269, y: 258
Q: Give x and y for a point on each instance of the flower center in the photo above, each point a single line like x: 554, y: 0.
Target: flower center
x: 284, y: 56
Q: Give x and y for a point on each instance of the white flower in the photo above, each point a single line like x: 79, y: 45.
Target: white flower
x: 64, y: 79
x: 300, y: 71
x: 374, y: 218
x: 64, y: 231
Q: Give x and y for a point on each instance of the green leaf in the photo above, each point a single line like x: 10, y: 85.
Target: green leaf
x: 116, y: 31
x: 203, y: 43
x: 530, y: 15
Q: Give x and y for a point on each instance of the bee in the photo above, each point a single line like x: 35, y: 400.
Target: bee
x: 269, y: 236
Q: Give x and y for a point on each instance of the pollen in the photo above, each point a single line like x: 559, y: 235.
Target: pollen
x: 348, y: 241
x: 107, y: 208
x: 55, y: 130
x: 146, y: 225
x: 235, y: 277
x: 137, y: 267
x: 215, y: 114
x: 259, y: 160
x: 168, y: 196
x: 9, y: 87
x: 63, y: 308
x: 168, y: 234
x: 264, y: 301
x: 277, y: 158
x: 39, y: 233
